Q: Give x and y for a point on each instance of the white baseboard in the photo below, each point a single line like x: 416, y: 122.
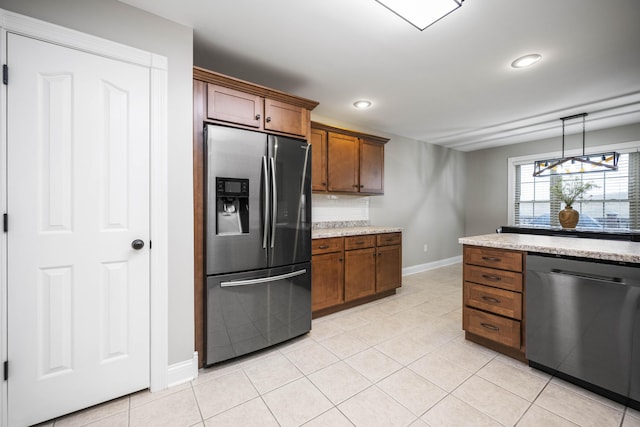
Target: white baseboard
x: 431, y: 265
x: 183, y: 372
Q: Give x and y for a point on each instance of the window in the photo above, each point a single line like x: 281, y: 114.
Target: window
x: 613, y: 204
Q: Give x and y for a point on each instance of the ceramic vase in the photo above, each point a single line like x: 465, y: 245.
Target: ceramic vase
x: 568, y: 217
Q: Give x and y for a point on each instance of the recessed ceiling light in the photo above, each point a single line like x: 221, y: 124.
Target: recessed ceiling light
x: 362, y: 104
x: 526, y: 61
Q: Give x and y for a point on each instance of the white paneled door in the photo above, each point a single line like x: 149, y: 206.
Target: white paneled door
x: 77, y: 199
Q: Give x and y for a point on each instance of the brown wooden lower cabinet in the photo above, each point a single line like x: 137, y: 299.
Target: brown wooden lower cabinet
x: 347, y: 271
x: 359, y: 273
x: 388, y: 267
x: 493, y: 294
x: 327, y: 277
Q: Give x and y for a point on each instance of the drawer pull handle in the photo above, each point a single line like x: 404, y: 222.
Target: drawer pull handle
x: 323, y: 247
x: 491, y: 277
x: 490, y: 327
x: 360, y: 243
x: 491, y: 299
x: 491, y: 258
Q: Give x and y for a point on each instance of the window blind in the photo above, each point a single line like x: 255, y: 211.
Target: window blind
x: 613, y: 204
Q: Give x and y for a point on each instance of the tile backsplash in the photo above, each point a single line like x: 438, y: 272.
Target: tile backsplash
x: 330, y: 208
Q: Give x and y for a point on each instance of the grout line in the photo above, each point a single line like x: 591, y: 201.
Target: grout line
x: 193, y: 392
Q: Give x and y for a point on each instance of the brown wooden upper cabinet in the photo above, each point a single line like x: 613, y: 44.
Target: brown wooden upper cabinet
x: 319, y: 160
x: 233, y: 106
x: 345, y: 161
x: 243, y: 104
x: 371, y: 167
x: 342, y: 163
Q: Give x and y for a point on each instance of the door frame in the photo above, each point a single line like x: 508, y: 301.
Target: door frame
x: 158, y: 191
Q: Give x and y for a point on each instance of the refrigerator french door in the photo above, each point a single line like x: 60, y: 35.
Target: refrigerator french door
x: 258, y: 243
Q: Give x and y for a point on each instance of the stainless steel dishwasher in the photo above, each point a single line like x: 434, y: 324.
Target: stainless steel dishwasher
x: 583, y: 323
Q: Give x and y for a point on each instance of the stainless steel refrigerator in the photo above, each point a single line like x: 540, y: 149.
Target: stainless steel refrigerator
x: 258, y: 245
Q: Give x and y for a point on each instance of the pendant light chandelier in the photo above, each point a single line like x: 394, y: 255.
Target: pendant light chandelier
x: 585, y: 163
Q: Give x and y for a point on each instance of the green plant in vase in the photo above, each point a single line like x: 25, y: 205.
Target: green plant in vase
x: 569, y: 191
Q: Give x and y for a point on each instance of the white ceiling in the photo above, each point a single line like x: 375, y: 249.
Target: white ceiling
x: 450, y: 84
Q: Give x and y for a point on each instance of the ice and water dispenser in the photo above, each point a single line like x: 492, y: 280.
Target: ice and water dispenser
x: 232, y: 206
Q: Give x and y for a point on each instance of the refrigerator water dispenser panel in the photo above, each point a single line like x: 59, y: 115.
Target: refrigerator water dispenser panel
x: 232, y: 206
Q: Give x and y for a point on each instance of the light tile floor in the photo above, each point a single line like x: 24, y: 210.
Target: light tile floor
x: 399, y: 361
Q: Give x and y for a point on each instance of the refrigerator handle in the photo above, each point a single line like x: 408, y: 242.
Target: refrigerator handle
x: 274, y: 204
x: 263, y: 279
x: 266, y: 202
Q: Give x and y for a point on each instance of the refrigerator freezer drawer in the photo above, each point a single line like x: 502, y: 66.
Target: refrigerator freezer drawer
x: 250, y: 311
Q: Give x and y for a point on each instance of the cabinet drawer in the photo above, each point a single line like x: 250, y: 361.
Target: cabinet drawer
x: 358, y: 242
x: 386, y: 239
x: 494, y: 258
x: 508, y: 280
x: 499, y: 329
x: 323, y: 246
x: 499, y: 301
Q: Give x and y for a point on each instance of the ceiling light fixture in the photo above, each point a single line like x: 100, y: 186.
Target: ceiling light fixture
x: 526, y: 61
x: 421, y: 13
x: 362, y: 104
x: 602, y: 162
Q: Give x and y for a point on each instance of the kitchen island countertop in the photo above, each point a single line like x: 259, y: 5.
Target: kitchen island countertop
x: 352, y: 231
x: 610, y: 250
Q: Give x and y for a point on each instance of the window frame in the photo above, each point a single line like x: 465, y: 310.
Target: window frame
x: 512, y: 162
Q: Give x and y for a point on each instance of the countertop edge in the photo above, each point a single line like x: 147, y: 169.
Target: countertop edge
x: 608, y: 250
x: 325, y: 233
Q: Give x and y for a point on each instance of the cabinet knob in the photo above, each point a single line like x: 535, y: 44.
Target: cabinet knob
x: 268, y: 119
x: 257, y: 116
x: 324, y: 183
x: 355, y: 186
x: 340, y: 259
x: 362, y: 186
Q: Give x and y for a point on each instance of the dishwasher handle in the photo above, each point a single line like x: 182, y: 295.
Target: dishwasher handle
x: 581, y: 275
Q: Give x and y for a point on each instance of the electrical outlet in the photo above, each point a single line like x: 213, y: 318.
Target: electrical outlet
x: 426, y: 248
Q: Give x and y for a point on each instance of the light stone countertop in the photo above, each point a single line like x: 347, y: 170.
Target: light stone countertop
x: 351, y: 231
x: 611, y: 250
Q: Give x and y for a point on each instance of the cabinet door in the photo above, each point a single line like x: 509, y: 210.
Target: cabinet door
x: 359, y: 273
x: 319, y: 158
x: 287, y: 118
x: 229, y: 105
x: 371, y: 167
x: 388, y: 268
x: 342, y: 163
x: 327, y: 280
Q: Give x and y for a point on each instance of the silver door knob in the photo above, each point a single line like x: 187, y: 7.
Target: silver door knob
x: 137, y: 244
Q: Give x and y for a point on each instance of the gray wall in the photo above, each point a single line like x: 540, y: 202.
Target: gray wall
x: 116, y: 21
x: 423, y: 194
x: 486, y: 180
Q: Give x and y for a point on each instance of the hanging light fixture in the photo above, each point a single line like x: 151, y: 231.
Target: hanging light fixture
x: 601, y: 162
x: 421, y: 13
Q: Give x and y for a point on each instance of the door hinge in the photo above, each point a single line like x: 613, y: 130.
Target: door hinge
x: 5, y: 74
x: 5, y: 222
x: 6, y: 370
